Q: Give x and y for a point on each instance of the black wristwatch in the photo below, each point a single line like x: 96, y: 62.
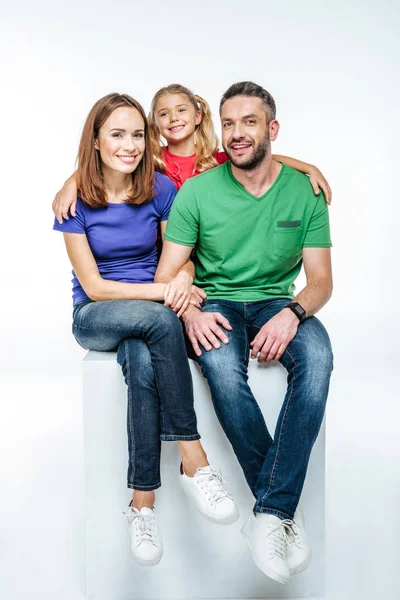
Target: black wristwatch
x: 298, y: 311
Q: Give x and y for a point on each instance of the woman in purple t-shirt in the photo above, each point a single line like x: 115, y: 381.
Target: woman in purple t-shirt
x: 111, y: 243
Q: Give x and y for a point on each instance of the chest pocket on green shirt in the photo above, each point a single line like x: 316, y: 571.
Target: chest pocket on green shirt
x: 287, y: 238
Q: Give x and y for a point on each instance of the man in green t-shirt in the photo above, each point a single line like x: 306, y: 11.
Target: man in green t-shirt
x: 254, y: 223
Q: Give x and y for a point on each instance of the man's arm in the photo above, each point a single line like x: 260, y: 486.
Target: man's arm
x: 201, y: 328
x: 274, y: 337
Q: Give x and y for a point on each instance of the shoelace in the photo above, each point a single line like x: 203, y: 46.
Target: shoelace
x: 278, y: 538
x: 144, y: 526
x: 211, y: 480
x: 292, y: 533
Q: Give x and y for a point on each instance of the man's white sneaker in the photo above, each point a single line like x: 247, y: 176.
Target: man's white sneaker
x: 298, y: 549
x: 146, y: 543
x: 209, y: 495
x: 266, y: 536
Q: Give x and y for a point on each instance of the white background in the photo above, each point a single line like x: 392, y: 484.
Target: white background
x: 333, y: 69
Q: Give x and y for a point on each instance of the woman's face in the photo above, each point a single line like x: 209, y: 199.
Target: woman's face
x: 121, y: 141
x: 176, y: 117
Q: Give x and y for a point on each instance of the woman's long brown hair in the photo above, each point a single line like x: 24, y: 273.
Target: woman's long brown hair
x: 90, y: 179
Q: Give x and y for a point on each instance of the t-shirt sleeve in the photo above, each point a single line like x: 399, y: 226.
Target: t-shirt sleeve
x: 183, y: 222
x: 165, y: 197
x: 318, y: 231
x: 73, y: 224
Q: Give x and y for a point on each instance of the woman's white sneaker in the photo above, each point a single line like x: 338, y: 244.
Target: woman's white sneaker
x: 146, y: 543
x: 209, y: 495
x: 266, y: 536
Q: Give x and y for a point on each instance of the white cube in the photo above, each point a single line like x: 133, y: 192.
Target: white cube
x: 202, y: 560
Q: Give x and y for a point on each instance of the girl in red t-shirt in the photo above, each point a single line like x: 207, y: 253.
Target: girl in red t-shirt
x: 184, y: 121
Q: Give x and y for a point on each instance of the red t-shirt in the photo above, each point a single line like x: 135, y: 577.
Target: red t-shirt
x: 180, y: 168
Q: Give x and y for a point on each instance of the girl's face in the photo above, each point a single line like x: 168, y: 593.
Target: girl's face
x: 121, y: 141
x: 176, y: 117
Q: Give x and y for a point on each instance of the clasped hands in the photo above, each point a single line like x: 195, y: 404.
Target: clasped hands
x: 209, y: 328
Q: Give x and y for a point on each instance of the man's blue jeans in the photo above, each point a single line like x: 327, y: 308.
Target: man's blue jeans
x: 151, y: 351
x: 275, y: 469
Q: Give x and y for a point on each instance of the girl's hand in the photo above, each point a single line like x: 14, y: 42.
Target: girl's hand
x: 178, y: 292
x: 65, y: 201
x: 319, y: 183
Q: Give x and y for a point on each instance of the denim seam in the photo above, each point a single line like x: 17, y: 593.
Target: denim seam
x: 133, y: 486
x: 271, y: 481
x: 130, y: 411
x: 273, y: 511
x: 166, y: 437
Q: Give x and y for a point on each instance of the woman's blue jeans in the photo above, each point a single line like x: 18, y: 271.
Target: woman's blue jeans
x: 151, y: 350
x: 275, y: 469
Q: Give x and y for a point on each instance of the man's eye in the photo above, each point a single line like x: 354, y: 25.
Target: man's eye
x: 227, y: 124
x: 251, y: 121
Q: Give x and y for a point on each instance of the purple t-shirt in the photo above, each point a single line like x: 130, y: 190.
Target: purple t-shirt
x: 122, y: 237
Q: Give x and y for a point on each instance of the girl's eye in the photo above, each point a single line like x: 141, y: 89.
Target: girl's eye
x: 182, y: 110
x: 163, y: 114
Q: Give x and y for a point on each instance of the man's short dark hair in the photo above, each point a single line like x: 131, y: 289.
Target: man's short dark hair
x: 248, y: 88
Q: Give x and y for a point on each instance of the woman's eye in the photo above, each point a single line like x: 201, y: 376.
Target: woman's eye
x: 139, y: 135
x: 116, y: 134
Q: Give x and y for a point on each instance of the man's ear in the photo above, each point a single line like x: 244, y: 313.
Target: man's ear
x: 273, y: 130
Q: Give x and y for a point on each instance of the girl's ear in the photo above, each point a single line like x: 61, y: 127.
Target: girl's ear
x: 198, y: 117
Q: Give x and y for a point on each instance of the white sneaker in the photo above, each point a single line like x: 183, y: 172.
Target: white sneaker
x: 266, y: 536
x: 298, y: 549
x: 146, y: 543
x: 209, y: 495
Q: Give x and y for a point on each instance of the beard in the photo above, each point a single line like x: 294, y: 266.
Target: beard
x: 256, y: 158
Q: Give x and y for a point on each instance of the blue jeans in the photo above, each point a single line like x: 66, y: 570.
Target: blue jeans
x: 275, y: 469
x: 151, y: 351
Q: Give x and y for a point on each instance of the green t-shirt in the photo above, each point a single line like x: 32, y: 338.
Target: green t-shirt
x: 248, y: 248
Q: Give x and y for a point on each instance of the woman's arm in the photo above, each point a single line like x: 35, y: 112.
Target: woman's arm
x: 95, y: 286
x: 317, y: 180
x: 65, y: 199
x: 179, y: 291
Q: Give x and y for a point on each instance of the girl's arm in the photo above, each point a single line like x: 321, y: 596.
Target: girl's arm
x: 95, y: 286
x: 65, y: 199
x: 317, y: 180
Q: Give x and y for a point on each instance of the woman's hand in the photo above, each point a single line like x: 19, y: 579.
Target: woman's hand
x: 197, y: 296
x: 65, y: 201
x: 319, y: 183
x: 178, y: 292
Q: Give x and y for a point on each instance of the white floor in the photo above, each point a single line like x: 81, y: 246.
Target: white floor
x: 41, y: 504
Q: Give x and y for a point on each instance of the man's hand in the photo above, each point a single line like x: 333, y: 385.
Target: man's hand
x: 274, y: 337
x: 202, y: 327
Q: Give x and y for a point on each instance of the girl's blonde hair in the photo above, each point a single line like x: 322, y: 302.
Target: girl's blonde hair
x: 206, y: 139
